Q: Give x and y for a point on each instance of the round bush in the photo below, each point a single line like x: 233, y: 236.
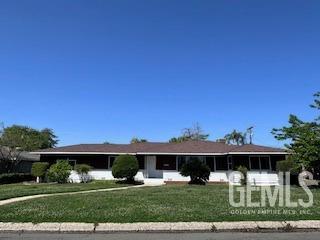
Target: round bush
x: 197, y: 171
x: 125, y: 166
x: 83, y: 170
x: 59, y: 172
x: 39, y: 169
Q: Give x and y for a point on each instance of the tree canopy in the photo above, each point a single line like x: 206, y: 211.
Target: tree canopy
x: 138, y: 140
x: 16, y: 139
x: 236, y: 137
x: 26, y: 138
x: 192, y: 133
x: 303, y: 138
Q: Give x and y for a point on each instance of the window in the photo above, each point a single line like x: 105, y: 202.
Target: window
x: 221, y: 163
x: 140, y: 159
x: 240, y: 160
x: 264, y: 162
x: 260, y: 162
x: 211, y: 163
x: 72, y: 162
x: 181, y: 160
x: 111, y: 160
x: 229, y: 162
x: 166, y: 162
x: 254, y: 163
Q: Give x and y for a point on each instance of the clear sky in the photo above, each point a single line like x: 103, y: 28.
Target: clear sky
x: 104, y: 70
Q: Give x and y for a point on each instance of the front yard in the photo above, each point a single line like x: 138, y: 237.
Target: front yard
x: 149, y: 204
x: 19, y: 190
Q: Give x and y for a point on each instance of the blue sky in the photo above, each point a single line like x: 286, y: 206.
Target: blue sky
x: 110, y: 70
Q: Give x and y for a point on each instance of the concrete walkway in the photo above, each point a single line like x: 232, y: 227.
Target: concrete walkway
x: 19, y: 199
x: 245, y: 226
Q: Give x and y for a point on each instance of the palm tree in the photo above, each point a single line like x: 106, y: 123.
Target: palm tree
x: 138, y: 140
x: 236, y: 137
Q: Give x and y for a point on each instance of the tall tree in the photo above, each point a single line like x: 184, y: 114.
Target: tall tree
x: 138, y: 140
x: 236, y: 137
x: 16, y: 139
x: 193, y: 133
x: 303, y: 137
x: 28, y: 139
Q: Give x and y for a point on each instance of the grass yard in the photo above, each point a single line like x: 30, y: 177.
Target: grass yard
x: 150, y: 204
x: 19, y: 190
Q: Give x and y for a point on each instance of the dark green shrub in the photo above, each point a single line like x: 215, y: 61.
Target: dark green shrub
x: 286, y: 166
x: 15, y: 177
x: 39, y: 170
x: 125, y: 166
x: 244, y: 171
x: 59, y: 172
x: 289, y: 165
x: 83, y: 170
x: 198, y: 171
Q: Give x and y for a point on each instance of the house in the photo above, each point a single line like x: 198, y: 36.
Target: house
x: 162, y: 161
x: 24, y: 160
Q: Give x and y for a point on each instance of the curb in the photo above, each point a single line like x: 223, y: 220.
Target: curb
x: 244, y: 226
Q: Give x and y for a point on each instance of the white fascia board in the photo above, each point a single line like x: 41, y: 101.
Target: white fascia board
x: 160, y: 153
x: 174, y: 153
x: 257, y: 153
x: 80, y: 153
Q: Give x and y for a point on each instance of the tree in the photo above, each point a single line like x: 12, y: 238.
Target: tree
x: 138, y: 140
x: 197, y: 171
x: 244, y: 172
x: 27, y: 139
x: 83, y: 170
x: 10, y: 158
x: 236, y: 137
x: 39, y: 169
x: 16, y: 139
x: 59, y: 172
x: 193, y: 133
x: 303, y: 137
x: 125, y: 166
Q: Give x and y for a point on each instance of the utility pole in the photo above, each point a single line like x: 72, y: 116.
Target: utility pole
x: 250, y: 131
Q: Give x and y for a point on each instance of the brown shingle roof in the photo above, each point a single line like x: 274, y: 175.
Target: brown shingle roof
x: 150, y: 147
x: 255, y: 148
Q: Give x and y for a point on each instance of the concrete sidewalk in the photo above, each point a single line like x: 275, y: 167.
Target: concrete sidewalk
x: 245, y: 226
x: 24, y: 198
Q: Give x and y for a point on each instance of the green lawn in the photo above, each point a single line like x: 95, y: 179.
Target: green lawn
x: 18, y: 190
x: 166, y: 203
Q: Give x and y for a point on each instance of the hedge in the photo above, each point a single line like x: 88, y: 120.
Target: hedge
x: 15, y: 177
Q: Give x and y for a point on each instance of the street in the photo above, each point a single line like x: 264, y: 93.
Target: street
x: 160, y: 236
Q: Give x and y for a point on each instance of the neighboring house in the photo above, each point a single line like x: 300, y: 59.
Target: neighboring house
x: 25, y: 160
x: 162, y: 161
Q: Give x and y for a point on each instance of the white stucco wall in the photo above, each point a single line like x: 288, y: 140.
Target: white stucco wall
x: 103, y: 174
x: 255, y: 178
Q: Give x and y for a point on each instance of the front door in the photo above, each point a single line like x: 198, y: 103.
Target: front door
x: 151, y: 167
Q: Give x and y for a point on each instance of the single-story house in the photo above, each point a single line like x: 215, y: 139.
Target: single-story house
x: 24, y: 159
x: 162, y: 161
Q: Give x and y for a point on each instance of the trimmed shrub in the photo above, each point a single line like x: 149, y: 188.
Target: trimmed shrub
x: 15, y: 177
x: 244, y: 171
x: 285, y: 166
x: 125, y: 166
x: 39, y: 170
x: 289, y: 165
x: 198, y: 171
x: 59, y: 172
x: 83, y: 170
